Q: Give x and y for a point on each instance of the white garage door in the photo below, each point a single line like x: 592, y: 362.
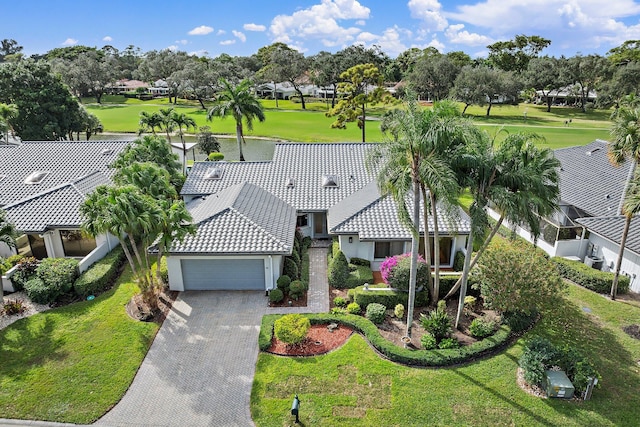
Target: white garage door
x: 223, y: 274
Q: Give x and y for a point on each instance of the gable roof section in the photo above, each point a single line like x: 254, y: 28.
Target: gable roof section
x: 379, y: 221
x: 242, y: 219
x: 304, y: 163
x: 56, y: 207
x: 611, y: 229
x: 66, y: 162
x: 588, y: 181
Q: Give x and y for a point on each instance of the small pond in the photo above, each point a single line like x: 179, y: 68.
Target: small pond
x: 254, y: 149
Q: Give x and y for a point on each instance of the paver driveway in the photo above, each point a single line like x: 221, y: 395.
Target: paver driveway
x: 200, y: 367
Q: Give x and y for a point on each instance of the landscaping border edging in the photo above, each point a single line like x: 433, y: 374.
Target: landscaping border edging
x: 425, y: 358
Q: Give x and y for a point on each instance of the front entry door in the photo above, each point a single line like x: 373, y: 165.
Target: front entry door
x: 320, y: 225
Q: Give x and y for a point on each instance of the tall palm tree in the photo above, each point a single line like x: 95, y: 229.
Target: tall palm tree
x: 7, y: 231
x: 166, y: 116
x: 149, y: 122
x: 174, y: 227
x: 519, y: 178
x: 182, y: 120
x: 625, y: 145
x: 630, y: 208
x: 8, y: 113
x: 240, y: 102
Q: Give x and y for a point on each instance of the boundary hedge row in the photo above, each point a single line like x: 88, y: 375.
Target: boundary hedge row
x: 590, y: 278
x: 100, y: 275
x: 432, y: 358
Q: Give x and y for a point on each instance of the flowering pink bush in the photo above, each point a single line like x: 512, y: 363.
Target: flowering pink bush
x: 395, y: 271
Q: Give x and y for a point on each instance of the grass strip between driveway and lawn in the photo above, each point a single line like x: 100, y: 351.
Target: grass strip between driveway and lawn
x: 355, y: 386
x: 73, y: 363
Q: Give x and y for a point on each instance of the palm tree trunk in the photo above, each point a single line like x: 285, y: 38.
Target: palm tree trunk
x: 239, y: 138
x: 414, y: 257
x: 158, y: 275
x: 132, y: 264
x: 465, y: 276
x: 135, y: 249
x: 475, y: 259
x: 436, y: 248
x: 184, y: 154
x: 364, y: 121
x: 616, y: 277
x: 427, y: 245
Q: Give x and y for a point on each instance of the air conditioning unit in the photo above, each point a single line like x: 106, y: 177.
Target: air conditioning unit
x: 557, y: 384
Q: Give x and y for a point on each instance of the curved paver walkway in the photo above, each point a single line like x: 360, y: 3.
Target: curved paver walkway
x: 200, y: 368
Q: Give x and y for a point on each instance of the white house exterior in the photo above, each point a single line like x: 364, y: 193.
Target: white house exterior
x: 42, y: 186
x: 588, y: 226
x: 330, y: 193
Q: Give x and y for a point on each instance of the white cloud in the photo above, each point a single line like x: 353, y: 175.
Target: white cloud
x: 320, y: 22
x: 200, y: 52
x: 227, y: 42
x: 172, y: 48
x: 221, y: 32
x: 202, y: 30
x: 456, y: 35
x: 437, y: 44
x: 254, y: 27
x: 429, y: 12
x: 182, y: 42
x: 360, y: 22
x: 107, y: 38
x: 240, y: 36
x: 390, y: 41
x: 69, y: 42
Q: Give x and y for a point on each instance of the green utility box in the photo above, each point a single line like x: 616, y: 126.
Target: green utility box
x: 557, y: 384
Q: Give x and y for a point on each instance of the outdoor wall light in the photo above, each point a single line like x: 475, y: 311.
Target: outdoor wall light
x: 350, y: 239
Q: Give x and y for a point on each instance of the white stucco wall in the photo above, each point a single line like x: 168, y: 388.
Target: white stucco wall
x: 272, y: 268
x: 609, y: 252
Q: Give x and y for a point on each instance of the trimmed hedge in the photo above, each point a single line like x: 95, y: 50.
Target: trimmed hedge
x: 391, y: 351
x: 58, y: 273
x: 590, y: 278
x: 386, y: 298
x: 360, y: 261
x: 359, y: 276
x: 100, y: 275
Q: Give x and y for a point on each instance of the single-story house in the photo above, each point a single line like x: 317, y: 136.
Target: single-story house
x: 126, y: 85
x: 42, y: 185
x: 246, y: 214
x: 588, y: 225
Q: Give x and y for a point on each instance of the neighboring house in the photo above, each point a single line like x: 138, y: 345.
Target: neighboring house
x: 42, y: 185
x: 564, y: 96
x: 587, y: 226
x: 246, y: 214
x: 127, y: 85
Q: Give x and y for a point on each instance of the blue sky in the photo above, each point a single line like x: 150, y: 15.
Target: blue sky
x: 240, y: 27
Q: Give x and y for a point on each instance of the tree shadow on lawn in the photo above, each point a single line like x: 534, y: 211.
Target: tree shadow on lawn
x: 28, y: 343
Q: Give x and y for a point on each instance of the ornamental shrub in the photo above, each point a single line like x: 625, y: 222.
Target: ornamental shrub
x: 428, y: 341
x: 12, y: 307
x: 39, y: 292
x: 339, y: 302
x: 437, y: 322
x: 290, y: 268
x: 590, y: 278
x: 15, y: 259
x: 481, y: 327
x: 283, y: 283
x: 276, y: 295
x: 358, y: 276
x: 388, y: 298
x: 354, y: 308
x: 215, y: 156
x: 360, y: 261
x: 26, y: 270
x: 376, y: 313
x: 296, y: 289
x: 396, y: 270
x: 448, y: 343
x: 339, y: 271
x: 538, y: 355
x: 58, y: 273
x: 101, y: 274
x: 291, y: 328
x: 295, y: 256
x: 458, y: 261
x: 398, y: 311
x: 519, y: 321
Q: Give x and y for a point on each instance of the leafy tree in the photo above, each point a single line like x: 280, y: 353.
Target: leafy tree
x: 165, y: 118
x: 152, y: 149
x: 286, y: 64
x: 207, y: 141
x: 9, y: 50
x: 163, y: 64
x: 514, y: 277
x: 626, y: 53
x: 357, y: 54
x: 625, y: 81
x: 626, y: 146
x: 175, y: 225
x: 459, y: 58
x: 544, y: 74
x: 197, y: 79
x: 362, y: 86
x: 514, y: 55
x: 326, y: 72
x: 8, y: 232
x: 46, y: 108
x: 150, y: 178
x: 8, y: 113
x: 240, y: 102
x: 433, y: 76
x: 587, y: 72
x: 481, y: 85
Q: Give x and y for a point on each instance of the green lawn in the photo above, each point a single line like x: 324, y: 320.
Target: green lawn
x: 289, y: 122
x: 73, y: 363
x: 354, y: 386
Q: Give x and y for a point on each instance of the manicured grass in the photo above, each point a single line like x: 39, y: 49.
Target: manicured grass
x: 73, y: 363
x: 354, y: 386
x: 289, y: 122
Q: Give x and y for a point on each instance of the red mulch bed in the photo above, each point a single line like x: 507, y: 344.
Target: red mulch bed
x: 319, y: 341
x: 300, y: 302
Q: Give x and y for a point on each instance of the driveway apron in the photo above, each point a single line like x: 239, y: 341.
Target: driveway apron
x: 200, y: 367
